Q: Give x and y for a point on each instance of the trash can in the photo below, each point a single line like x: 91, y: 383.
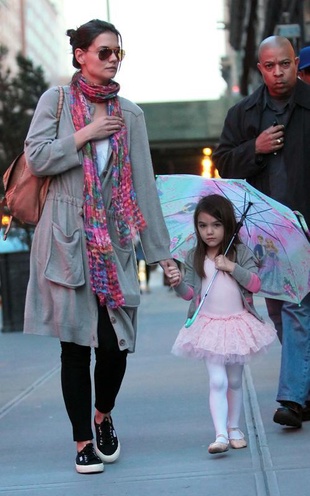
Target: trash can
x: 14, y: 275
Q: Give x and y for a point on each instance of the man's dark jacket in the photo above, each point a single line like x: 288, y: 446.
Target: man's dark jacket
x: 235, y: 155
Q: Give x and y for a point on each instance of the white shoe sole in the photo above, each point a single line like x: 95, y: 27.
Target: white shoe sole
x: 89, y: 469
x: 109, y: 458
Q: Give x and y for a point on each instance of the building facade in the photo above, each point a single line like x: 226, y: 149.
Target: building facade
x: 248, y: 22
x: 35, y: 29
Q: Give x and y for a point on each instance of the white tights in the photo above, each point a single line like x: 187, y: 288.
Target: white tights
x: 225, y: 395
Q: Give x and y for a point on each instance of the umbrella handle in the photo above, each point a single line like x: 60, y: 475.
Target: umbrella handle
x: 302, y: 224
x: 192, y: 319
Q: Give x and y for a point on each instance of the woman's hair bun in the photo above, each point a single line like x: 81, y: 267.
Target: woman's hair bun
x: 71, y: 33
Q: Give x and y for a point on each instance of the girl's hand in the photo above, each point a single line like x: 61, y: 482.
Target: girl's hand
x: 223, y: 263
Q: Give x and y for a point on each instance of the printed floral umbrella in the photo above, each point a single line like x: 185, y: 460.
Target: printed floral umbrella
x: 271, y: 230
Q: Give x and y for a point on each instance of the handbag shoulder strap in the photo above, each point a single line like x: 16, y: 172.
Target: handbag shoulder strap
x: 60, y: 104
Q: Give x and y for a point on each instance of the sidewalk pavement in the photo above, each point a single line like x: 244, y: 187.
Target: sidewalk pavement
x: 162, y: 419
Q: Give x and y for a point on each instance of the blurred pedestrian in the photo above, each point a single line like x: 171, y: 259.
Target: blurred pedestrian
x: 227, y: 331
x: 146, y: 268
x: 83, y: 285
x: 304, y: 64
x: 265, y: 140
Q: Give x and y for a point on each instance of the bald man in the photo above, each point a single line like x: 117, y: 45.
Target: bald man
x: 266, y: 140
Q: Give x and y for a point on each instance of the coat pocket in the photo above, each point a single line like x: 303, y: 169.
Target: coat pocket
x: 127, y: 273
x: 65, y: 262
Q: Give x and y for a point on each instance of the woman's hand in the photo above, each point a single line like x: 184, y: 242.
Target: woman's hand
x: 100, y: 128
x: 171, y: 271
x: 175, y: 276
x: 104, y: 126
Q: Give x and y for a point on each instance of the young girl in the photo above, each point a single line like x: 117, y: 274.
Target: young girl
x: 227, y: 329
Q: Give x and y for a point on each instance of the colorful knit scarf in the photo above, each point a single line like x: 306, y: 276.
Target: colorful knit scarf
x: 124, y: 207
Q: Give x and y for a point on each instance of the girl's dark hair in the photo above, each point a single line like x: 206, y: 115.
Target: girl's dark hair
x: 84, y: 36
x: 222, y: 209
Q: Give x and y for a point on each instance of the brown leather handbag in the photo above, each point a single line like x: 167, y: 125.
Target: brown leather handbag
x: 25, y: 194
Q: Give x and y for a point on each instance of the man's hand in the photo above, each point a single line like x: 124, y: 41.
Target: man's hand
x: 271, y: 140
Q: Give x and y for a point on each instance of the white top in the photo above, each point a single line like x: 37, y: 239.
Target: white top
x: 102, y: 148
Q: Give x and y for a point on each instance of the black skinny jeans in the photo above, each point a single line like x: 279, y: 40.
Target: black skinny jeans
x: 76, y: 384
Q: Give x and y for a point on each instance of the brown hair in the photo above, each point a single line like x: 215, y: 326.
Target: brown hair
x: 84, y: 36
x: 221, y: 209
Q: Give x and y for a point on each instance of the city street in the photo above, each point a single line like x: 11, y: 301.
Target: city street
x: 162, y: 419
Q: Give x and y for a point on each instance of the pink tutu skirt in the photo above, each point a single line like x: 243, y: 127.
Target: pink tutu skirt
x: 224, y: 339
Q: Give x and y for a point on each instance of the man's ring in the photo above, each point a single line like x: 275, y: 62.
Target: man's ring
x: 279, y: 141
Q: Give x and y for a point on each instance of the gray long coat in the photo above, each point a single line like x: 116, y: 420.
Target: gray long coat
x: 59, y: 300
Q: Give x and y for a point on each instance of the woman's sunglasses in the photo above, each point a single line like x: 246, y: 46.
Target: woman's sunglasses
x: 105, y: 53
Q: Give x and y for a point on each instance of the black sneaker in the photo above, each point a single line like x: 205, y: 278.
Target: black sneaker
x: 87, y: 461
x: 108, y: 447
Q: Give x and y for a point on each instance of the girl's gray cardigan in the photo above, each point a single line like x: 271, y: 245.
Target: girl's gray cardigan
x: 246, y: 264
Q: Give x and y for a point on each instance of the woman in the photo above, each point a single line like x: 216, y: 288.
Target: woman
x: 83, y: 285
